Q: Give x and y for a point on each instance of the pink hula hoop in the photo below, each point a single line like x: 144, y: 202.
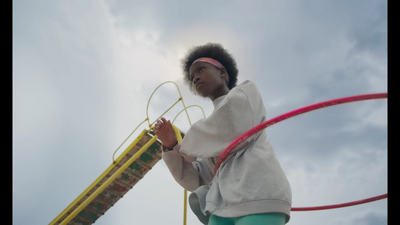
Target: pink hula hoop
x: 296, y: 112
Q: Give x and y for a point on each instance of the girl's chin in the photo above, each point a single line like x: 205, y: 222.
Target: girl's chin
x: 200, y: 93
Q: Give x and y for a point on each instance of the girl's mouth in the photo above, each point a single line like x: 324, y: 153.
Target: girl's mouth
x: 198, y: 85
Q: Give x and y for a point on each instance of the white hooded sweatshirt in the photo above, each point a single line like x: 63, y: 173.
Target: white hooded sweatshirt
x: 250, y: 180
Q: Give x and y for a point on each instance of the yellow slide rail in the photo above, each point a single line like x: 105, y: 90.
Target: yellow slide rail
x: 129, y: 162
x: 108, y: 181
x: 96, y: 181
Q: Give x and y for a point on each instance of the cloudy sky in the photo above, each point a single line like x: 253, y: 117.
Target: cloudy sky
x: 83, y: 72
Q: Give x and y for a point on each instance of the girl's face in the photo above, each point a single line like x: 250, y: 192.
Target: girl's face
x: 207, y: 80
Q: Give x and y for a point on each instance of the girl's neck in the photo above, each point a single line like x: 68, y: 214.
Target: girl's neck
x: 220, y: 92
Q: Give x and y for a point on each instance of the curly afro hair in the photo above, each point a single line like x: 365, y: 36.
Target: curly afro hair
x: 210, y: 50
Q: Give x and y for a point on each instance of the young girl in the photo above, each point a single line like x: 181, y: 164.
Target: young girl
x: 250, y: 187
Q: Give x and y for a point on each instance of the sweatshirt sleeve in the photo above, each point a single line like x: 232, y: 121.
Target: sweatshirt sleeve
x: 238, y: 112
x: 190, y: 175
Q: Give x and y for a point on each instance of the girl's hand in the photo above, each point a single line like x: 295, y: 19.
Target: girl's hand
x: 167, y: 136
x: 165, y: 132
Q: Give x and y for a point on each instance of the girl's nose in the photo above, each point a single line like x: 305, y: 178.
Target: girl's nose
x: 196, y: 79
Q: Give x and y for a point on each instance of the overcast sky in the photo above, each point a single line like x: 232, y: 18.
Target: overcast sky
x: 83, y: 72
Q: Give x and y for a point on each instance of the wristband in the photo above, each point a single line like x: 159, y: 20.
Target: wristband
x: 166, y: 149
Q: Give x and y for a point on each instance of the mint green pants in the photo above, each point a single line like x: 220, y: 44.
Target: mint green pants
x: 256, y: 219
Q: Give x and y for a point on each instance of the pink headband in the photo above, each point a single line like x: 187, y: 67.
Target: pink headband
x: 212, y: 62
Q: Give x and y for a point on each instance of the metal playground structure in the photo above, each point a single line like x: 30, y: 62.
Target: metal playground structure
x: 145, y: 151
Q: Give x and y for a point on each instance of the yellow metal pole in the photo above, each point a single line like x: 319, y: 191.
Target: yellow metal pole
x: 108, y: 181
x: 151, y: 96
x: 166, y: 111
x: 114, y: 161
x: 98, y: 179
x: 187, y: 108
x: 184, y: 207
x: 180, y: 98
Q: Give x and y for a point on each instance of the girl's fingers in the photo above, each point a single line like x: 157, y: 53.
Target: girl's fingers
x: 164, y: 122
x: 161, y: 125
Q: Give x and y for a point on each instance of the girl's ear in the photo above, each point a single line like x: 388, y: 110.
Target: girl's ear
x: 223, y: 73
